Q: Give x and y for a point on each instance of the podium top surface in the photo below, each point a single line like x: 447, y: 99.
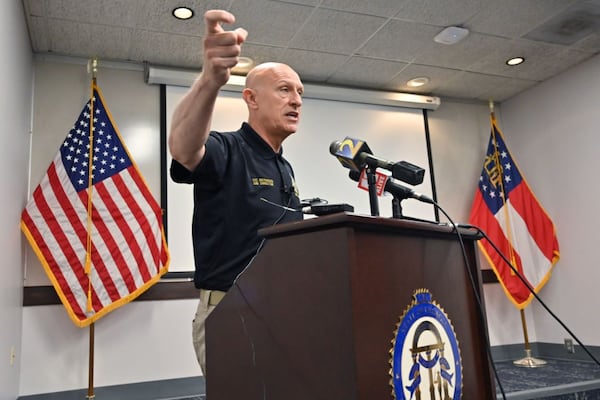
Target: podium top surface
x: 370, y: 223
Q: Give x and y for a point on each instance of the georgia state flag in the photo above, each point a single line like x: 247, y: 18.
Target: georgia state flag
x: 506, y: 209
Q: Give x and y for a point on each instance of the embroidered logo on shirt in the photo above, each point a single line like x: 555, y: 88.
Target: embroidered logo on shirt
x: 262, y: 182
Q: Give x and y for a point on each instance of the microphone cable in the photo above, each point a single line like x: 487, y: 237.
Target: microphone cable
x: 474, y: 285
x: 235, y: 284
x: 528, y: 286
x: 480, y: 313
x: 285, y: 209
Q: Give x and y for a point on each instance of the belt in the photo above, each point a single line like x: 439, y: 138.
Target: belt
x: 212, y: 297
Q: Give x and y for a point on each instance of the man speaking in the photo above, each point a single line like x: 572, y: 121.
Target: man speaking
x: 241, y: 181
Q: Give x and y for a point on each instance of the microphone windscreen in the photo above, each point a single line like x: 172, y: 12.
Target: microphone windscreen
x: 334, y: 147
x: 354, y: 175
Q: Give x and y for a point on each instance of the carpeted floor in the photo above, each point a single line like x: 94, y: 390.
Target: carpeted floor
x: 557, y: 380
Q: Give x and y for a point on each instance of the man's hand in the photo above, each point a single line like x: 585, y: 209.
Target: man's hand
x: 221, y: 47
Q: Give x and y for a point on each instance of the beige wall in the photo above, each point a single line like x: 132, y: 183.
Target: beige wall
x: 15, y: 121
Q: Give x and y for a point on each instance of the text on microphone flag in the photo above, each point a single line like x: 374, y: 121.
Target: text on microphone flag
x: 382, y: 179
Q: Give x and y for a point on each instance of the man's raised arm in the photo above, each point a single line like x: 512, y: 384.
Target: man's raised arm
x: 192, y: 117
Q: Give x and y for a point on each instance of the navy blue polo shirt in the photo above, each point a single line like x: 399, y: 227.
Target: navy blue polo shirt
x: 237, y: 187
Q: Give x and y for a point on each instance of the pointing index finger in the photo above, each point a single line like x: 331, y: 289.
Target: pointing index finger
x: 214, y: 18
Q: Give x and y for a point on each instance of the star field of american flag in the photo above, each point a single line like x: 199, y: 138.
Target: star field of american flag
x: 497, y: 180
x: 108, y: 155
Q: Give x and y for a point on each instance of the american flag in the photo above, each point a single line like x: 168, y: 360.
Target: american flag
x: 93, y: 222
x: 507, y: 210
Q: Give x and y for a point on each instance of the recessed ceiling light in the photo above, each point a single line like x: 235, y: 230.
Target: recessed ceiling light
x: 515, y: 61
x: 418, y: 81
x: 183, y: 13
x: 243, y: 66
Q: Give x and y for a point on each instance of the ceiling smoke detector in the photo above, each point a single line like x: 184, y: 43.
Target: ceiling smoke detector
x: 451, y: 35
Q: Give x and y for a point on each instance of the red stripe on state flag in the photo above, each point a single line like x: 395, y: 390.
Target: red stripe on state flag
x: 541, y: 227
x: 514, y: 288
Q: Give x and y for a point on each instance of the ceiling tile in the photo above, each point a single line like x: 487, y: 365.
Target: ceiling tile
x: 366, y: 72
x: 573, y: 24
x: 269, y: 22
x: 113, y: 12
x: 39, y: 34
x: 312, y: 66
x: 260, y: 53
x: 590, y: 43
x: 513, y: 18
x: 460, y: 55
x: 482, y: 87
x: 35, y: 7
x: 400, y: 41
x: 81, y: 39
x: 304, y: 2
x: 164, y: 49
x: 336, y: 31
x: 382, y: 8
x: 438, y: 12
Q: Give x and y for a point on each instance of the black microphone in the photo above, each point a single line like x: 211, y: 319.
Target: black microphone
x: 395, y: 189
x: 350, y: 153
x: 355, y: 154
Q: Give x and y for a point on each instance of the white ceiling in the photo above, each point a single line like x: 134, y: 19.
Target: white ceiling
x: 374, y: 44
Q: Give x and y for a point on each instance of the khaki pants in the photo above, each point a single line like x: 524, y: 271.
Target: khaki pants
x: 208, y: 301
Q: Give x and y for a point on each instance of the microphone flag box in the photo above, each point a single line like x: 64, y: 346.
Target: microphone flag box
x: 348, y: 152
x: 382, y: 178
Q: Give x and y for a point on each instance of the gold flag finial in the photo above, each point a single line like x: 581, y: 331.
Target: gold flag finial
x: 491, y: 106
x: 92, y: 67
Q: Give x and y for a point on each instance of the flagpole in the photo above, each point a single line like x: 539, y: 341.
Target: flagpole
x: 93, y: 69
x: 528, y: 360
x: 90, y: 394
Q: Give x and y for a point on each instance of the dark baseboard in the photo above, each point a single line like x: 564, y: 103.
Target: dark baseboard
x: 165, y: 289
x: 173, y: 287
x: 182, y: 388
x: 555, y: 351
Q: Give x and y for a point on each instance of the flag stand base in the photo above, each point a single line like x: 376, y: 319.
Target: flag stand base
x: 528, y: 361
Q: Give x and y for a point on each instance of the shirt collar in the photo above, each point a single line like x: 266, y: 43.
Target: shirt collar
x: 257, y: 143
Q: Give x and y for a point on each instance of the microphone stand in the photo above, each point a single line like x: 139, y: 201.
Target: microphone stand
x: 372, y: 181
x: 397, y: 207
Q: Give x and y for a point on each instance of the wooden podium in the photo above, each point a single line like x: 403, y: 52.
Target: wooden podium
x: 314, y: 316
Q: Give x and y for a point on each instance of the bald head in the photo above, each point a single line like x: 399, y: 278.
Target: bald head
x: 267, y: 71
